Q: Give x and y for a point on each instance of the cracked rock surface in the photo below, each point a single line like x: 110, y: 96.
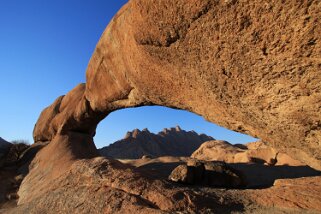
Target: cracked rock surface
x: 250, y: 66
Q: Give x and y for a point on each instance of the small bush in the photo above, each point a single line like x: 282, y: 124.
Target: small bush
x: 25, y: 142
x: 16, y: 150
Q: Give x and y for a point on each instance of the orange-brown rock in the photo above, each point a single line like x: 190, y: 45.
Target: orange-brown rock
x: 250, y: 66
x: 257, y: 74
x: 256, y: 152
x: 301, y: 193
x: 218, y: 150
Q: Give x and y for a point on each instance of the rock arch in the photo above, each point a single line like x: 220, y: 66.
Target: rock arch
x: 250, y: 67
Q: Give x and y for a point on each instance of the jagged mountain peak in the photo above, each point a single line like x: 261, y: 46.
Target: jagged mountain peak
x: 137, y: 132
x: 171, y: 141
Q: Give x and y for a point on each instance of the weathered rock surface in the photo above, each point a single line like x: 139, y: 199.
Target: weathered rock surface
x: 169, y: 142
x: 256, y: 152
x: 250, y: 66
x: 99, y: 185
x: 16, y: 166
x: 257, y: 74
x: 281, y: 189
x: 217, y: 150
x: 301, y: 193
x: 183, y: 174
x: 214, y: 174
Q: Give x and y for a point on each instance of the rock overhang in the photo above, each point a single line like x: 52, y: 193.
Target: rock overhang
x: 206, y: 58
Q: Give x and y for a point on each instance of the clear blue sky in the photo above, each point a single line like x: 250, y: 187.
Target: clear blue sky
x: 45, y: 47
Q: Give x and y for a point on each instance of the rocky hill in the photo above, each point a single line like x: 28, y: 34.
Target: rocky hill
x: 257, y: 152
x: 4, y: 146
x: 3, y: 143
x: 169, y: 142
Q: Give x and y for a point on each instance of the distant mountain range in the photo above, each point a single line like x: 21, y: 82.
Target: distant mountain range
x: 169, y: 142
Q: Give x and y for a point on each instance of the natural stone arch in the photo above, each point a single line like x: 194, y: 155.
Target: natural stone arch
x: 124, y: 122
x: 256, y: 74
x: 250, y: 66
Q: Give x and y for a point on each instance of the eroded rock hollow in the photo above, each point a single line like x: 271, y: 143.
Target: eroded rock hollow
x: 250, y: 66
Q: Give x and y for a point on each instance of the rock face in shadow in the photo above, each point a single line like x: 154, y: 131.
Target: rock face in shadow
x: 255, y: 175
x: 4, y: 146
x: 3, y: 143
x: 250, y: 67
x: 169, y: 142
x: 214, y: 174
x: 4, y: 149
x: 14, y: 166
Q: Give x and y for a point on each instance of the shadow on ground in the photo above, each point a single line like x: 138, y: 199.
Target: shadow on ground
x: 257, y: 176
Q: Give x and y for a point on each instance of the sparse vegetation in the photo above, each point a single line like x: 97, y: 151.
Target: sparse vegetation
x: 16, y: 150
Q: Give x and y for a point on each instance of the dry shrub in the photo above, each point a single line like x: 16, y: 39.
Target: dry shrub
x: 16, y: 150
